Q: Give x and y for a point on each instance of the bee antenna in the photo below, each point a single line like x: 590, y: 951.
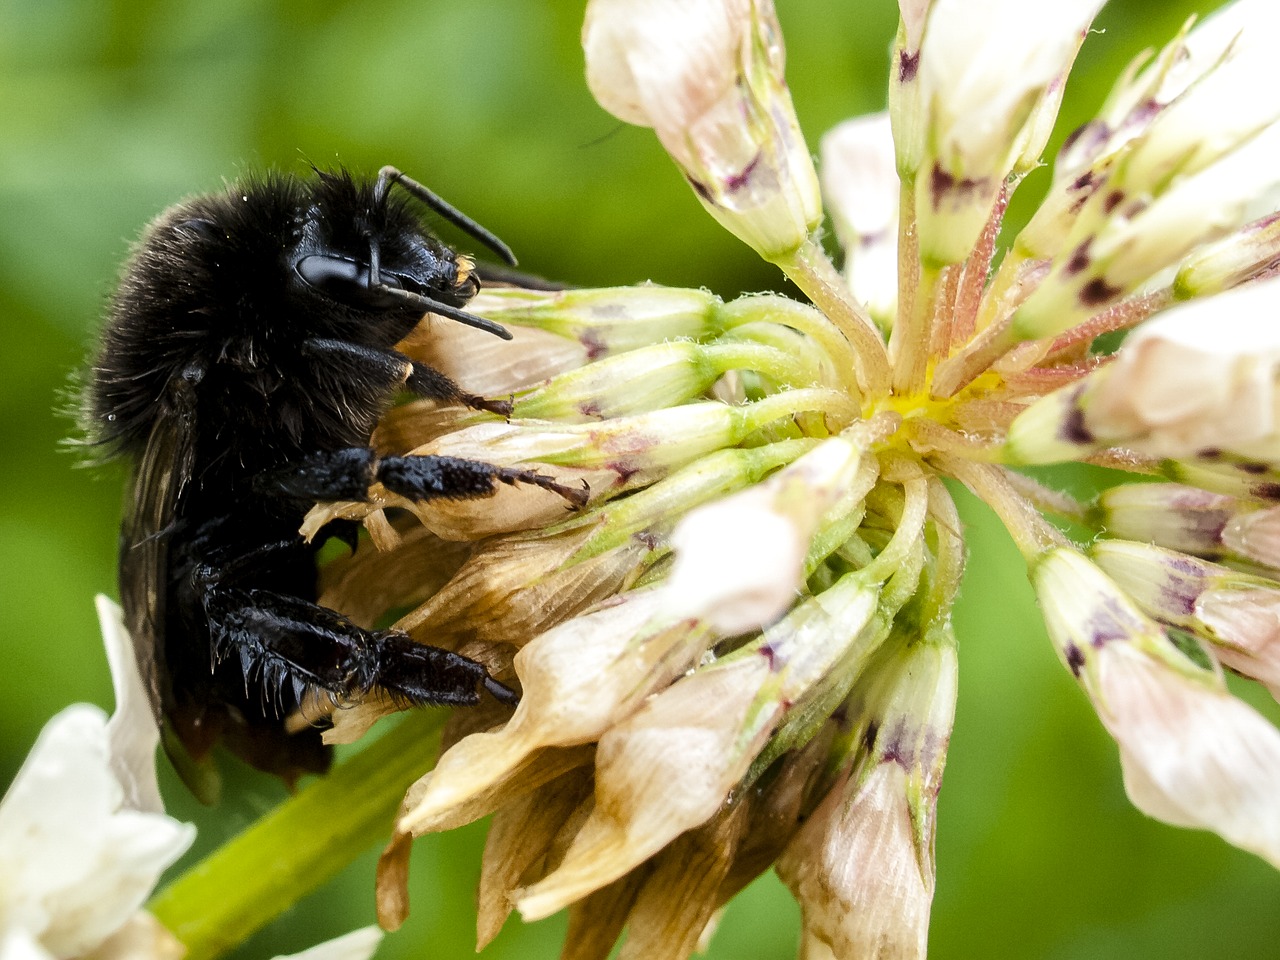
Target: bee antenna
x: 453, y: 313
x: 389, y: 175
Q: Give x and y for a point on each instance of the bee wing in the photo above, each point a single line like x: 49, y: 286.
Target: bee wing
x: 162, y: 471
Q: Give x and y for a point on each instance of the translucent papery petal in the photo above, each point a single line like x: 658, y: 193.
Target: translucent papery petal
x: 1199, y: 378
x: 984, y: 69
x: 368, y: 583
x: 76, y: 859
x: 521, y: 840
x: 678, y: 898
x: 577, y: 680
x: 670, y: 766
x: 516, y: 588
x: 860, y: 185
x: 1192, y: 754
x: 491, y: 366
x: 665, y: 770
x: 855, y: 871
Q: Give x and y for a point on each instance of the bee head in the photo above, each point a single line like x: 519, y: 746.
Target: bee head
x: 365, y: 249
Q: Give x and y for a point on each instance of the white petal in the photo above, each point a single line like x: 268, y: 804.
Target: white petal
x: 981, y: 61
x: 132, y: 733
x: 81, y: 861
x: 738, y: 564
x: 860, y: 184
x: 17, y: 944
x: 1193, y: 755
x: 356, y: 945
x: 1200, y: 376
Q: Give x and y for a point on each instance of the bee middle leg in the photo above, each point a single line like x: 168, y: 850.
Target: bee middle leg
x: 453, y: 478
x: 347, y: 473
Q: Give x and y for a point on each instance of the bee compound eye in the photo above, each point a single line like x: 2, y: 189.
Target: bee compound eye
x: 326, y: 273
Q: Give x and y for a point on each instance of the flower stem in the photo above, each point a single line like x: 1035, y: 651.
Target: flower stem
x: 813, y: 323
x: 811, y: 270
x: 1030, y: 531
x: 299, y: 845
x: 909, y: 343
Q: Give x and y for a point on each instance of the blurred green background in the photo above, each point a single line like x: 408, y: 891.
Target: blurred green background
x: 110, y: 111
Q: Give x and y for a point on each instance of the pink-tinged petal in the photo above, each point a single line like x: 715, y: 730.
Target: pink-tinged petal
x: 1255, y: 535
x: 1193, y: 755
x: 708, y: 77
x: 1200, y: 379
x: 1246, y: 624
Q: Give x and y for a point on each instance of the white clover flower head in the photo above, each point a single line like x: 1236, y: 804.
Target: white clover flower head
x: 739, y: 648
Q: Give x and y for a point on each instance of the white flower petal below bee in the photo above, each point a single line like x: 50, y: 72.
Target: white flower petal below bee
x: 357, y: 945
x: 76, y: 857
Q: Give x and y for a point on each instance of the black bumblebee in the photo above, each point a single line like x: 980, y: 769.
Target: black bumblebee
x: 247, y: 356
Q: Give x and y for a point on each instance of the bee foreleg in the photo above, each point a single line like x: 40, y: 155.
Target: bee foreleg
x: 389, y: 369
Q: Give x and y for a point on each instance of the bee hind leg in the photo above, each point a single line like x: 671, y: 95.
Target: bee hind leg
x: 289, y: 645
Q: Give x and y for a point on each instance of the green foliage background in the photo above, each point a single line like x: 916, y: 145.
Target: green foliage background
x: 112, y: 109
